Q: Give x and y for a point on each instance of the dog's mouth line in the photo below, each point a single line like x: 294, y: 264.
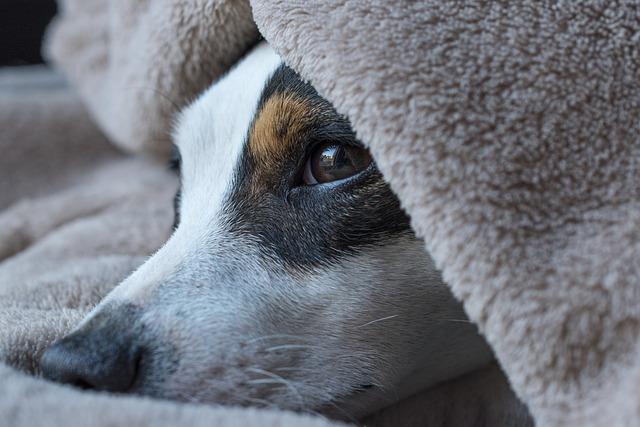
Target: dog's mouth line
x: 140, y: 383
x: 139, y: 369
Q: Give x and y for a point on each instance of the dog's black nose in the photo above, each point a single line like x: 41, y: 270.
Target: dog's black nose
x: 100, y: 359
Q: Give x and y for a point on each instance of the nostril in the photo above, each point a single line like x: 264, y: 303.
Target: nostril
x: 91, y: 360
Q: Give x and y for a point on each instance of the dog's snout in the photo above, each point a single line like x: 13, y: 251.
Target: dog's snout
x: 101, y: 359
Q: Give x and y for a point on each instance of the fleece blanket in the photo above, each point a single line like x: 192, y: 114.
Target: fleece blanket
x: 509, y: 131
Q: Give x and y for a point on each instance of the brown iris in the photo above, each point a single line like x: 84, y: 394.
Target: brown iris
x: 333, y: 162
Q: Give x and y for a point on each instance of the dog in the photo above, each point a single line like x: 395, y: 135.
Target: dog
x: 292, y: 278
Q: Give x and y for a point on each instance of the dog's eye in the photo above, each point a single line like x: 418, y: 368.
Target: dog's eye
x: 333, y: 162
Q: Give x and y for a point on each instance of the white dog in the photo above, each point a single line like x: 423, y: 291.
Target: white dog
x: 292, y: 279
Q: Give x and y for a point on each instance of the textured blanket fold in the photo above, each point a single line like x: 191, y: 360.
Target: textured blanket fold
x: 77, y: 217
x: 509, y: 130
x: 136, y: 62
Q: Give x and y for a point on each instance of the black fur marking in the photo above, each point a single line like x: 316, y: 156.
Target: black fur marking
x: 175, y: 163
x: 306, y: 226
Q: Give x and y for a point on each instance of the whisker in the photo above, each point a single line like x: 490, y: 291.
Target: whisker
x: 378, y: 320
x: 295, y: 369
x: 292, y: 347
x: 275, y: 336
x: 276, y: 379
x: 259, y: 371
x: 267, y: 381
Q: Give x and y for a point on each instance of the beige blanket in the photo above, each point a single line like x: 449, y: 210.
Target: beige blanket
x: 509, y: 130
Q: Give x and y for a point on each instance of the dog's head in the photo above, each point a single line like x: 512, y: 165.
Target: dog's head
x: 292, y: 279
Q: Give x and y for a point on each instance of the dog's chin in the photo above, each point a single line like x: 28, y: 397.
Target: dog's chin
x: 350, y: 407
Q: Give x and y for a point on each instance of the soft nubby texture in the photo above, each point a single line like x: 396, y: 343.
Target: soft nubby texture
x: 136, y: 62
x: 509, y: 130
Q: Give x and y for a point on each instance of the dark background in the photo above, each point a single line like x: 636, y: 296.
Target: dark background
x: 22, y: 25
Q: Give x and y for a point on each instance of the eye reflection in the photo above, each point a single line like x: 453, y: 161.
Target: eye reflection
x: 333, y: 162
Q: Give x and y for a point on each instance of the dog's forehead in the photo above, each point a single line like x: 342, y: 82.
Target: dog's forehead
x: 212, y: 131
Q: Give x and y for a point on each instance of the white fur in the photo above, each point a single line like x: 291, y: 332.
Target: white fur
x: 209, y: 136
x: 245, y: 330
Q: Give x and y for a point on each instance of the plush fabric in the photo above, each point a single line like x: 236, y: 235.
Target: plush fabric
x: 135, y: 62
x: 28, y: 402
x: 509, y: 131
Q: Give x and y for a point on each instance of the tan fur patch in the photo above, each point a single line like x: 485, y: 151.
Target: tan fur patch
x: 277, y: 128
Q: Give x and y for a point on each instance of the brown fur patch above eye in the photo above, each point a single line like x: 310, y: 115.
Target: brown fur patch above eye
x: 280, y: 122
x: 295, y: 225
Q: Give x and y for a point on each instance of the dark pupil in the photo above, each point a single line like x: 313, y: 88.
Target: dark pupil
x: 334, y: 162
